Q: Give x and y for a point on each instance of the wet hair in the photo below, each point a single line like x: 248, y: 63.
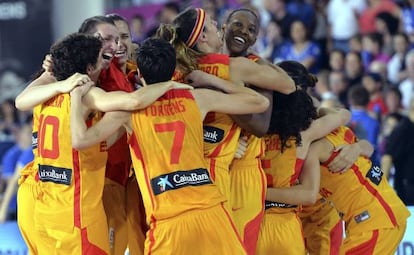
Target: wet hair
x: 299, y: 74
x: 295, y: 112
x: 74, y: 53
x: 89, y: 25
x: 177, y: 34
x: 156, y: 60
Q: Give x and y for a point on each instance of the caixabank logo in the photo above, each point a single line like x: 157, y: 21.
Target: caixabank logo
x: 180, y: 179
x: 213, y: 134
x: 56, y: 175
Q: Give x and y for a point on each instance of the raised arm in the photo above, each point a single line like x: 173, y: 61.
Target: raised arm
x: 100, y: 100
x: 269, y: 76
x: 257, y: 123
x: 233, y: 100
x: 82, y: 136
x: 45, y: 87
x: 330, y: 119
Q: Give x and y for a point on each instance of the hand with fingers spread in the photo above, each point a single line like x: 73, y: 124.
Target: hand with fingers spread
x: 241, y: 148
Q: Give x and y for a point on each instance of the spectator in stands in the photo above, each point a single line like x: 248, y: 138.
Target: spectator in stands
x: 137, y: 28
x: 407, y: 86
x: 396, y: 68
x: 362, y: 123
x: 343, y: 22
x: 373, y: 83
x: 400, y: 153
x: 302, y: 48
x: 354, y: 70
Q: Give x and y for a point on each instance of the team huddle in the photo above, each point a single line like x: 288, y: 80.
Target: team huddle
x: 192, y: 144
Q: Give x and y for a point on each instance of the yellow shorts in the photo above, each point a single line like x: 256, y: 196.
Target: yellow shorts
x: 136, y: 220
x: 199, y: 231
x: 26, y: 198
x: 219, y: 173
x: 248, y: 191
x: 113, y: 198
x: 281, y: 233
x: 323, y: 228
x: 375, y: 242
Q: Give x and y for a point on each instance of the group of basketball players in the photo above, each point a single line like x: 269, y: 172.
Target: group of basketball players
x: 127, y: 155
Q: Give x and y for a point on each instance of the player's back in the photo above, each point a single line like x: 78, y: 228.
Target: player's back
x: 361, y: 193
x: 71, y: 181
x: 167, y: 153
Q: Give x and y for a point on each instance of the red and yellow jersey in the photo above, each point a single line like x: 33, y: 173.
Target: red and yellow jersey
x: 31, y: 169
x: 362, y: 194
x: 119, y: 160
x: 282, y: 169
x: 221, y: 133
x: 71, y: 181
x: 167, y: 154
x: 255, y: 145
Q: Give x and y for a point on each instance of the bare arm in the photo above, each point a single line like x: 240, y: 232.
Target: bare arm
x: 257, y: 123
x: 269, y: 76
x: 82, y: 136
x: 349, y: 153
x: 386, y: 164
x: 46, y: 87
x: 330, y: 119
x: 100, y: 100
x: 304, y: 193
x: 241, y: 100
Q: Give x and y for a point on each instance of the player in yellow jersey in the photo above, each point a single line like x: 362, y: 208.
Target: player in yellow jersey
x: 247, y: 178
x: 184, y: 207
x: 61, y: 175
x: 375, y: 218
x: 195, y: 37
x: 287, y: 142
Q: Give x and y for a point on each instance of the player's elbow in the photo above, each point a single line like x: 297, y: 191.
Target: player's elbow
x: 310, y: 198
x: 79, y: 143
x: 261, y: 103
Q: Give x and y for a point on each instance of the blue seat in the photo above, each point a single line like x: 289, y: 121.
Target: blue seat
x: 11, y: 241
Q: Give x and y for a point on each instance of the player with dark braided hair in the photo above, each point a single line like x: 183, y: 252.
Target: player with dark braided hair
x: 294, y: 125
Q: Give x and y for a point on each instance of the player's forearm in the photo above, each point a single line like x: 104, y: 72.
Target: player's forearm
x: 37, y: 92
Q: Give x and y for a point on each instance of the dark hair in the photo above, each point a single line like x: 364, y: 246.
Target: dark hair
x: 390, y: 21
x: 242, y: 10
x: 156, y: 60
x: 358, y: 96
x: 298, y: 72
x: 74, y: 53
x: 88, y: 26
x: 376, y: 38
x: 295, y: 112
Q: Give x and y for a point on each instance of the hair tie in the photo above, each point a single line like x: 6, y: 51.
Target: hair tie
x: 198, y: 27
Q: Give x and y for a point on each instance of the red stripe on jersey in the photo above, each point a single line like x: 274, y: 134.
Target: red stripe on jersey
x: 266, y: 163
x: 88, y: 247
x: 375, y: 193
x: 151, y: 235
x: 214, y: 58
x: 329, y: 160
x: 137, y: 151
x: 229, y: 136
x: 366, y: 247
x: 176, y: 93
x: 298, y: 169
x: 77, y: 191
x: 213, y: 169
x: 349, y: 136
x: 336, y: 235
